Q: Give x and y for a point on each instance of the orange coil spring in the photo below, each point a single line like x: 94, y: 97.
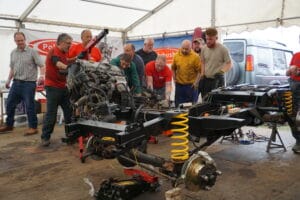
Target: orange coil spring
x: 288, y: 102
x: 180, y: 135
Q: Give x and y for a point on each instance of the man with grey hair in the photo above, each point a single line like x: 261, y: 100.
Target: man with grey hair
x: 147, y: 53
x: 24, y: 63
x: 55, y: 85
x: 159, y: 77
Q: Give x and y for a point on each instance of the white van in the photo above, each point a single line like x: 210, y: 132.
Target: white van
x: 257, y: 62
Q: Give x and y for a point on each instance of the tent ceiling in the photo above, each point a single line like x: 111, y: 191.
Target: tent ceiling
x: 142, y: 17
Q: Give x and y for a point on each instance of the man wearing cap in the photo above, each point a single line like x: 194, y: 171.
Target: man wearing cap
x: 197, y: 45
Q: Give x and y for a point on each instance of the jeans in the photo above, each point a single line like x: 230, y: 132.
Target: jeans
x: 21, y: 91
x: 206, y: 85
x: 55, y: 97
x: 295, y: 88
x: 185, y: 93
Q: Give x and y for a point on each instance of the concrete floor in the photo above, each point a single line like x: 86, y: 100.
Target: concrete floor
x: 31, y: 172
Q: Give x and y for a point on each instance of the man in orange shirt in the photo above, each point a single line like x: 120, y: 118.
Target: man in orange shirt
x: 94, y: 54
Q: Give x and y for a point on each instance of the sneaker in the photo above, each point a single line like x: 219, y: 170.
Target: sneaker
x: 296, y: 147
x: 6, y: 129
x: 31, y: 131
x: 45, y: 142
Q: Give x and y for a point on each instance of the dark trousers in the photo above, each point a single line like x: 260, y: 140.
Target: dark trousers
x: 21, y: 91
x: 206, y: 85
x: 295, y: 88
x: 184, y: 94
x: 55, y: 97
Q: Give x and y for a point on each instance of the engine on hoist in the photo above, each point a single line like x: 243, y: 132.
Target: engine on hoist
x: 97, y: 90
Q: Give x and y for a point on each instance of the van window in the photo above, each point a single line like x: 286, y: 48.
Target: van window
x: 236, y: 50
x: 263, y: 62
x: 279, y: 61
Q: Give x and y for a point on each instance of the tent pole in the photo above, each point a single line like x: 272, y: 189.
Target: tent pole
x: 213, y: 13
x: 149, y: 14
x: 282, y: 12
x: 29, y: 9
x: 124, y: 36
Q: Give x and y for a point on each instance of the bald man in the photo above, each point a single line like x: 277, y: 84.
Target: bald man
x: 94, y: 55
x: 159, y: 77
x: 186, y: 69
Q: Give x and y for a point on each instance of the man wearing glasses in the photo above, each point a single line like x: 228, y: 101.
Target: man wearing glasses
x: 55, y: 85
x: 147, y: 53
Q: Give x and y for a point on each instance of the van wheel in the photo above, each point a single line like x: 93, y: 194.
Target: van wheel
x: 233, y: 75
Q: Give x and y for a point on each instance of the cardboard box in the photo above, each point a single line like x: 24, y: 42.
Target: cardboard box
x: 43, y: 107
x: 43, y: 103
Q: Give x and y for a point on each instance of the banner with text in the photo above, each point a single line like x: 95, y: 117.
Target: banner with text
x: 43, y: 41
x: 165, y: 45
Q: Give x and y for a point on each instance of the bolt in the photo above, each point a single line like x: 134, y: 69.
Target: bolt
x: 218, y: 172
x: 204, y: 177
x: 207, y: 187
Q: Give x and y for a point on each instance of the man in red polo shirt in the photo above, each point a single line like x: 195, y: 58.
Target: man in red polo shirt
x: 159, y: 77
x: 94, y: 55
x: 55, y: 85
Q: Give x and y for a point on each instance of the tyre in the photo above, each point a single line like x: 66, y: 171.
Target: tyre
x: 233, y: 75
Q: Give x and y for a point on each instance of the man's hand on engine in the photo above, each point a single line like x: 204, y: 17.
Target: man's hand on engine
x: 164, y: 103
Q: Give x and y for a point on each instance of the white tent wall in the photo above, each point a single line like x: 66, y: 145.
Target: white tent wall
x: 179, y: 15
x: 137, y: 18
x: 230, y: 15
x: 144, y: 17
x: 66, y: 29
x: 7, y: 44
x: 6, y: 37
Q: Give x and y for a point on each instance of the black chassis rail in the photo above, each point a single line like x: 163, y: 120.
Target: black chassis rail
x: 125, y: 137
x: 211, y: 120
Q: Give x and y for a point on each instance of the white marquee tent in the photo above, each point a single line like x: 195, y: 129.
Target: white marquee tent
x: 134, y: 18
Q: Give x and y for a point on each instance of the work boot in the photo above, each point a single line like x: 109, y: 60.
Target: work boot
x: 31, y: 131
x: 6, y: 129
x: 45, y: 142
x: 296, y: 147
